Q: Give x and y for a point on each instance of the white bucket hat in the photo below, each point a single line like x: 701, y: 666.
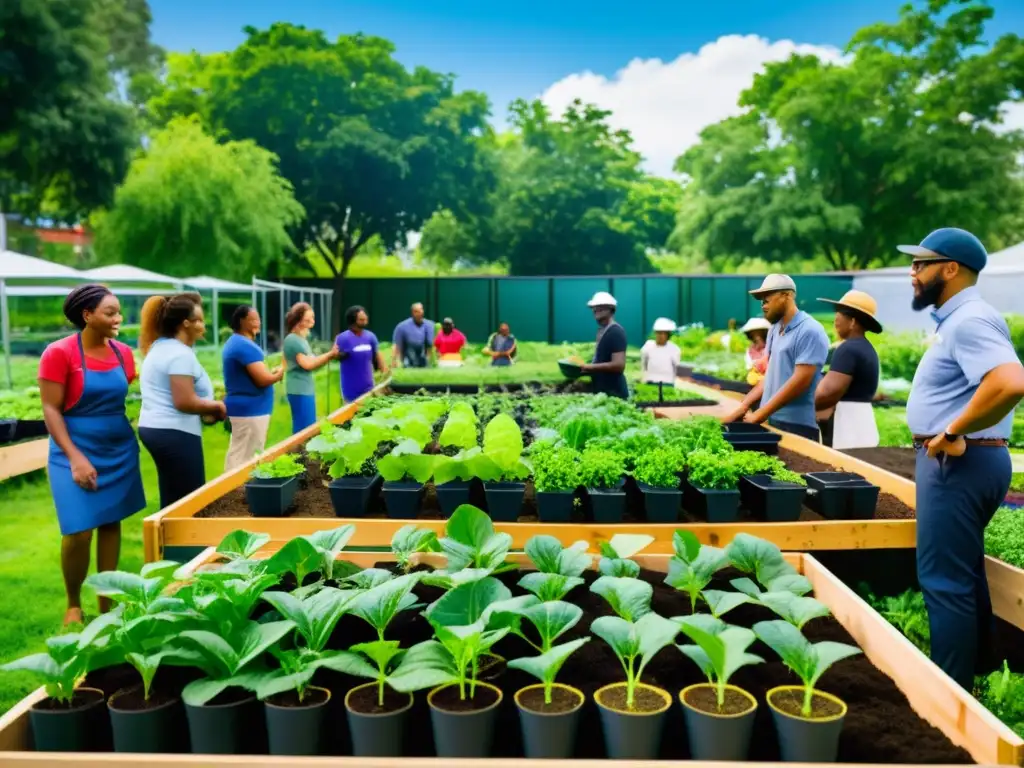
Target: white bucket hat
x: 773, y: 283
x: 664, y: 324
x: 756, y: 324
x: 603, y: 299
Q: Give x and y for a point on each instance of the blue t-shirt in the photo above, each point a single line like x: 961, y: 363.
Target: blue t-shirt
x: 166, y: 358
x: 243, y: 397
x: 804, y: 342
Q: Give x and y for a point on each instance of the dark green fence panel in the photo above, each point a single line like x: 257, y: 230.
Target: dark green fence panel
x: 702, y: 301
x: 573, y: 320
x: 729, y: 301
x: 360, y: 292
x: 391, y: 300
x: 468, y: 302
x: 661, y: 299
x: 629, y: 293
x: 812, y: 287
x: 526, y: 306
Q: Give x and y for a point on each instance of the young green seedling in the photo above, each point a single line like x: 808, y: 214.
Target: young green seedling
x: 633, y: 642
x: 381, y: 603
x: 758, y: 557
x: 471, y: 545
x: 630, y: 598
x: 796, y: 610
x: 720, y: 602
x: 718, y: 653
x: 788, y: 582
x: 409, y: 540
x: 693, y: 565
x: 807, y: 660
x: 550, y: 620
x: 315, y: 616
x: 615, y: 554
x: 242, y: 545
x: 62, y: 666
x: 546, y: 666
x: 558, y: 568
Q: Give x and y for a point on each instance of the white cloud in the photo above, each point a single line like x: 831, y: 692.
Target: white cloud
x: 665, y: 105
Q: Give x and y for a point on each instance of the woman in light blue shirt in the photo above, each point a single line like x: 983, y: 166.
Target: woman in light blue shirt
x: 177, y: 394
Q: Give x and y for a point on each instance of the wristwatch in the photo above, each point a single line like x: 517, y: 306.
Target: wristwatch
x: 951, y: 437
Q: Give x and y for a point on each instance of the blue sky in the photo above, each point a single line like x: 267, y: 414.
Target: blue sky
x: 524, y: 48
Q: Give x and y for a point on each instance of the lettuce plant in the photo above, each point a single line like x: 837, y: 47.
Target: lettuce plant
x: 285, y: 465
x: 659, y: 468
x: 600, y: 468
x: 719, y: 651
x: 407, y: 460
x: 713, y: 471
x: 807, y: 660
x: 693, y: 565
x: 460, y: 430
x: 558, y: 569
x: 615, y: 554
x: 409, y: 540
x: 556, y: 470
x: 635, y: 644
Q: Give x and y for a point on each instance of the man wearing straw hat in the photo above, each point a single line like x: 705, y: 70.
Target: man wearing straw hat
x: 960, y: 412
x: 797, y: 348
x: 852, y: 380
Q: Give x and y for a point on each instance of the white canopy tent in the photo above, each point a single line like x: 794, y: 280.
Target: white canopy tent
x: 321, y: 299
x: 125, y: 273
x: 216, y: 286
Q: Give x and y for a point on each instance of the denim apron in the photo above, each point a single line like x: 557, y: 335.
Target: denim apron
x: 99, y: 428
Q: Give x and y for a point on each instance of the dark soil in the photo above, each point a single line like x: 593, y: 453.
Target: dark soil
x: 706, y: 700
x: 131, y: 699
x: 792, y: 702
x: 365, y: 701
x: 562, y: 700
x: 899, y: 461
x: 449, y: 701
x: 644, y: 700
x: 314, y: 697
x: 81, y: 699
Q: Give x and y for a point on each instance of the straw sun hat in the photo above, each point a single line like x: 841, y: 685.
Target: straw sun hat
x: 863, y: 305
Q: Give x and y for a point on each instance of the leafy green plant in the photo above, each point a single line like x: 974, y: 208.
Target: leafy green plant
x: 556, y: 470
x: 1002, y: 693
x: 545, y: 667
x: 712, y: 471
x: 600, y: 468
x: 720, y: 650
x: 796, y: 610
x: 382, y: 602
x: 809, y: 661
x: 501, y: 458
x: 407, y: 460
x: 409, y: 540
x: 757, y: 557
x: 558, y: 569
x: 285, y: 465
x: 1004, y: 536
x: 242, y: 545
x: 630, y: 598
x: 693, y: 565
x: 908, y: 613
x: 472, y: 547
x: 314, y: 553
x: 787, y: 582
x: 460, y: 430
x: 660, y: 467
x: 64, y: 663
x: 615, y: 554
x: 635, y: 644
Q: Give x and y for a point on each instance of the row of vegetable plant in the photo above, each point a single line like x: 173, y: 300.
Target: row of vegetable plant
x: 273, y: 641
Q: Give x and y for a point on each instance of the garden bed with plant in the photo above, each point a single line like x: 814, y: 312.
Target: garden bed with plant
x: 567, y: 458
x: 473, y: 652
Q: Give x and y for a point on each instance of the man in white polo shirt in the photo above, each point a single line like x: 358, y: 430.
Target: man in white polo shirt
x: 797, y: 348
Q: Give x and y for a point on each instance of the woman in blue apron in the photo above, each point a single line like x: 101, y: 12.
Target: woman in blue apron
x: 94, y: 456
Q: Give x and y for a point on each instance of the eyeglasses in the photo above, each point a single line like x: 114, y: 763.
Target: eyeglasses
x: 917, y: 266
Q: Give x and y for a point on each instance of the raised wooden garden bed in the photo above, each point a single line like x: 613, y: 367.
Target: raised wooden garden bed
x: 21, y: 458
x: 902, y: 708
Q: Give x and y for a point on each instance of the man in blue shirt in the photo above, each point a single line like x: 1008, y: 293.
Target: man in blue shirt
x: 797, y: 348
x: 960, y: 412
x: 413, y: 340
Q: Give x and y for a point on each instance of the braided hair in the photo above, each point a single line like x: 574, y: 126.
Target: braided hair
x: 82, y: 299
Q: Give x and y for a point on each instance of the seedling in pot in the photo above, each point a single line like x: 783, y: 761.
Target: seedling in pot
x: 720, y: 650
x: 473, y: 548
x: 630, y: 598
x: 285, y: 465
x: 660, y: 467
x: 693, y: 565
x: 381, y: 603
x: 758, y: 558
x: 242, y: 545
x: 408, y: 540
x: 615, y: 554
x: 635, y: 644
x: 550, y: 620
x: 809, y: 661
x: 63, y: 665
x: 546, y: 666
x: 601, y: 468
x: 558, y: 569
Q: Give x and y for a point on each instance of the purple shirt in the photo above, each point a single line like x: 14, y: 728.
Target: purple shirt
x: 357, y: 365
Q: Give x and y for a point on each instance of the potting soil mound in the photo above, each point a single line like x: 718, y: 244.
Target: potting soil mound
x: 899, y: 461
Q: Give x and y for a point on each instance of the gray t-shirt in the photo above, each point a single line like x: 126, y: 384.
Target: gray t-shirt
x: 297, y: 380
x: 804, y: 342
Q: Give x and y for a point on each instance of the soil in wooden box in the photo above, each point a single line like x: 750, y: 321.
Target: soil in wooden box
x: 899, y: 461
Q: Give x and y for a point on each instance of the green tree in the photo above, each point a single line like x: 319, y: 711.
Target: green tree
x: 371, y: 148
x: 844, y: 161
x: 190, y: 201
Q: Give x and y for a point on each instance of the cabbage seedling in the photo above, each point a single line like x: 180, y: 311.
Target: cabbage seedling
x: 242, y: 545
x: 807, y: 660
x: 558, y: 569
x: 789, y: 582
x: 379, y: 605
x: 718, y: 653
x: 551, y: 619
x: 630, y: 598
x: 693, y: 566
x: 473, y: 549
x: 758, y: 557
x: 615, y: 554
x: 796, y: 610
x: 634, y: 643
x: 409, y: 540
x: 545, y: 667
x: 720, y: 602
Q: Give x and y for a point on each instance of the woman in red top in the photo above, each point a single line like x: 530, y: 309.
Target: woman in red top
x: 450, y: 340
x: 94, y: 455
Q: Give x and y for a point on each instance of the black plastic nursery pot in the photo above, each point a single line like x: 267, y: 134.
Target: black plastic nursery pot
x: 225, y: 729
x: 402, y: 499
x: 270, y: 496
x: 752, y: 437
x: 295, y: 728
x: 714, y: 505
x: 146, y: 727
x: 491, y: 667
x: 662, y: 504
x: 81, y: 726
x: 464, y: 728
x: 354, y: 496
x: 841, y: 495
x: 770, y: 499
x: 452, y: 495
x: 715, y: 735
x: 632, y: 734
x: 608, y: 504
x: 377, y: 731
x: 549, y: 730
x: 806, y: 740
x: 504, y: 500
x: 555, y: 506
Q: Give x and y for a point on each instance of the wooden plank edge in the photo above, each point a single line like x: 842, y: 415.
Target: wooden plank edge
x: 1006, y: 587
x: 14, y: 723
x: 22, y: 458
x: 62, y: 760
x: 930, y: 691
x: 798, y: 537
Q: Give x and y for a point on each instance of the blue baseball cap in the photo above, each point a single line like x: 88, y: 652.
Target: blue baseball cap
x: 949, y: 244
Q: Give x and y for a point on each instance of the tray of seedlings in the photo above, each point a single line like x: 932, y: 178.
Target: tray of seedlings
x: 454, y: 646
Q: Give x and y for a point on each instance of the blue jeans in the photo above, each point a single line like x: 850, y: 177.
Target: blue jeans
x: 303, y: 411
x: 956, y: 497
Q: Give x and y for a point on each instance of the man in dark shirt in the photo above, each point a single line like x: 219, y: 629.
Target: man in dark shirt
x: 609, y: 363
x: 852, y: 381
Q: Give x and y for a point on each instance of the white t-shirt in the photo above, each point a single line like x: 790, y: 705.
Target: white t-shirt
x: 166, y: 358
x: 657, y: 363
